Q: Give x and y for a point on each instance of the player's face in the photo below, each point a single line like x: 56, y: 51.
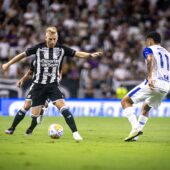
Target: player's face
x: 51, y: 39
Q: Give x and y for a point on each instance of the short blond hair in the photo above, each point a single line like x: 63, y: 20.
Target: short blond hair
x: 51, y: 30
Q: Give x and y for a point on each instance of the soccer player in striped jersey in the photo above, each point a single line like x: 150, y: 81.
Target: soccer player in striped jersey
x: 49, y: 56
x: 153, y: 90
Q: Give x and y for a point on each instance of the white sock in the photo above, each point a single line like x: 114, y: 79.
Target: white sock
x: 129, y: 112
x: 142, y: 121
x: 76, y: 132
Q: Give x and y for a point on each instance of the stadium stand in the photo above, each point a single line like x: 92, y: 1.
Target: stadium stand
x: 116, y: 27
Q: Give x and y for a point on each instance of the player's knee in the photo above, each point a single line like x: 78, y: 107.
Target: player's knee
x: 36, y: 111
x: 59, y: 104
x: 126, y: 102
x: 27, y: 105
x: 123, y: 102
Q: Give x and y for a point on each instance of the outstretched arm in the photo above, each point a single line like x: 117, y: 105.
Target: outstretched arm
x: 13, y: 60
x: 26, y: 77
x: 149, y: 62
x: 86, y: 55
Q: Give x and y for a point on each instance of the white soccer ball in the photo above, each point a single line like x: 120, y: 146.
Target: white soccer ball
x: 55, y: 131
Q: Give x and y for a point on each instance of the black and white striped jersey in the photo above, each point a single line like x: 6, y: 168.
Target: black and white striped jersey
x: 32, y: 65
x: 48, y: 61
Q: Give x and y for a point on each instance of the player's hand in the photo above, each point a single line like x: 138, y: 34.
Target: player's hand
x: 5, y: 67
x: 150, y: 83
x: 97, y: 54
x: 19, y: 83
x: 59, y: 77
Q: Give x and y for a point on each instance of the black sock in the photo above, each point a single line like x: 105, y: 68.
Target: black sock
x: 19, y: 116
x: 69, y: 119
x: 33, y: 124
x: 42, y: 111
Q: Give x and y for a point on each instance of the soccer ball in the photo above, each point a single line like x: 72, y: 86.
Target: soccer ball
x: 55, y: 131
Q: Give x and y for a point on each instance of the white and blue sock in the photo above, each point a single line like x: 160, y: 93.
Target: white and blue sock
x: 129, y: 112
x: 142, y: 121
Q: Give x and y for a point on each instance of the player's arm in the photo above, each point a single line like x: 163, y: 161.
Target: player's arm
x: 81, y: 54
x: 71, y: 52
x: 60, y: 76
x: 28, y: 75
x: 30, y: 51
x: 149, y: 63
x: 148, y: 56
x: 13, y: 61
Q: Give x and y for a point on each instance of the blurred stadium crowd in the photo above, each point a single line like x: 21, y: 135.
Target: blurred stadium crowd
x: 117, y: 27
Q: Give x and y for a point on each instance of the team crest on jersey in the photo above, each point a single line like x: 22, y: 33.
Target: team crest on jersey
x: 58, y: 52
x: 46, y: 55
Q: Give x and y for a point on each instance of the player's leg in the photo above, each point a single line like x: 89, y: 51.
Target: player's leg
x: 43, y: 110
x: 60, y: 104
x: 56, y: 97
x: 138, y: 94
x: 35, y: 114
x: 153, y: 101
x: 38, y: 101
x: 143, y: 118
x: 19, y: 117
x: 129, y: 112
x: 21, y: 113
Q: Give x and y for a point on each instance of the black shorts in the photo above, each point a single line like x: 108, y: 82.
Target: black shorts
x: 42, y: 92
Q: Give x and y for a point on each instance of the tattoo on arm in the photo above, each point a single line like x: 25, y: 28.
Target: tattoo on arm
x: 149, y: 66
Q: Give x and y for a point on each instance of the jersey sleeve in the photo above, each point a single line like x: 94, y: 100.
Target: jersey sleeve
x: 32, y: 50
x: 147, y: 51
x: 69, y: 52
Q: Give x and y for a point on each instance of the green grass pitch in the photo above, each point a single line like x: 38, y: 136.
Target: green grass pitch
x: 102, y: 148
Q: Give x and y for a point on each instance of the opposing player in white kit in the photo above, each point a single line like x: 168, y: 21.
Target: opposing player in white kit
x: 153, y: 90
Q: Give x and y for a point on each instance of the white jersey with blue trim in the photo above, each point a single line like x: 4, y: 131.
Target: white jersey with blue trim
x: 161, y: 66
